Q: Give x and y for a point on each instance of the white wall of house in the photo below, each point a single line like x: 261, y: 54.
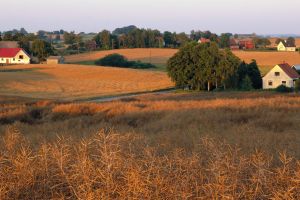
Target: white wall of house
x: 20, y: 58
x: 281, y: 47
x: 277, y: 77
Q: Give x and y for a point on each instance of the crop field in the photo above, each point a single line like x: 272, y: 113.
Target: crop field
x: 233, y: 145
x: 75, y: 81
x: 154, y: 56
x: 159, y: 57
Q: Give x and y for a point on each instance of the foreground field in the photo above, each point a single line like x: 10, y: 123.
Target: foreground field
x: 175, y: 146
x: 75, y: 81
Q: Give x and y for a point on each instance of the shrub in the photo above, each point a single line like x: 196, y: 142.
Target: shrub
x: 117, y: 60
x: 283, y: 89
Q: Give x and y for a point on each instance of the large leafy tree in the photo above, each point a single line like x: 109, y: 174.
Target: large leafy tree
x: 203, y: 66
x: 41, y: 49
x: 251, y: 70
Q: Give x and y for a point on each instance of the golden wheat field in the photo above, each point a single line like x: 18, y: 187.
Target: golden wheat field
x: 231, y: 145
x: 75, y: 81
x: 156, y: 56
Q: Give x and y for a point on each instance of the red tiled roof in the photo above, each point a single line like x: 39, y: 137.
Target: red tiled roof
x: 9, y: 52
x: 289, y: 70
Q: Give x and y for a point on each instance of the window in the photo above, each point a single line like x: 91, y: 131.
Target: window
x: 283, y: 83
x: 270, y: 83
x: 21, y: 57
x: 14, y: 59
x: 277, y: 73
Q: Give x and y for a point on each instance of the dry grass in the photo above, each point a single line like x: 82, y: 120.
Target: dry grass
x: 75, y: 81
x: 171, y: 146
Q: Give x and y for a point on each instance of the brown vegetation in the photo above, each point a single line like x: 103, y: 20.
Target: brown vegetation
x: 175, y: 146
x: 76, y: 81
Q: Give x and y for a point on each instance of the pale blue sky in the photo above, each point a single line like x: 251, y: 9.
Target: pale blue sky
x: 236, y: 16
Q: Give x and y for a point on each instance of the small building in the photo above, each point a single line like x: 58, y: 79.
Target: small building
x: 284, y: 46
x: 234, y: 44
x: 282, y: 74
x: 246, y: 43
x: 54, y: 60
x: 12, y: 56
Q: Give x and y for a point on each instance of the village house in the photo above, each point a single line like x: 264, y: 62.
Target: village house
x: 246, y: 43
x: 284, y: 46
x: 54, y: 60
x: 234, y: 44
x: 282, y: 74
x: 11, y: 56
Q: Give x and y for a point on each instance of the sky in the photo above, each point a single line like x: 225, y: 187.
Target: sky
x: 219, y: 16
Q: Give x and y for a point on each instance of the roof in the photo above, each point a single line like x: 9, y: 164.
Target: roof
x: 9, y: 52
x: 286, y: 44
x: 291, y: 72
x: 297, y: 67
x: 9, y: 44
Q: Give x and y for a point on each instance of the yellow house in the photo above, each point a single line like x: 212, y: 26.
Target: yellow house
x: 282, y: 74
x: 12, y: 56
x: 283, y: 46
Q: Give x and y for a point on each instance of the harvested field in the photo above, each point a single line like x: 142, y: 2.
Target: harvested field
x: 269, y: 58
x: 155, y: 56
x: 75, y: 81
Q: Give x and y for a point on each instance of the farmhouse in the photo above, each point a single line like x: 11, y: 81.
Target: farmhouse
x: 13, y: 56
x: 284, y: 46
x: 246, y: 43
x: 52, y: 60
x: 282, y: 74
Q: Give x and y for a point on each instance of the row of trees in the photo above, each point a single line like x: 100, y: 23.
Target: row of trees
x: 205, y: 66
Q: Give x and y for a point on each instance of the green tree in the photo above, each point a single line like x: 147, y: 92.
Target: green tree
x: 291, y: 41
x: 202, y: 66
x: 252, y: 71
x: 70, y: 38
x: 41, y: 49
x: 168, y: 39
x: 225, y: 40
x: 246, y: 84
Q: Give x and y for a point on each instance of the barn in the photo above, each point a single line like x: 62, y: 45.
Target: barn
x: 53, y: 60
x: 13, y: 56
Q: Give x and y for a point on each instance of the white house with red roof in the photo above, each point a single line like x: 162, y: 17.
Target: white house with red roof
x: 13, y: 56
x: 282, y: 74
